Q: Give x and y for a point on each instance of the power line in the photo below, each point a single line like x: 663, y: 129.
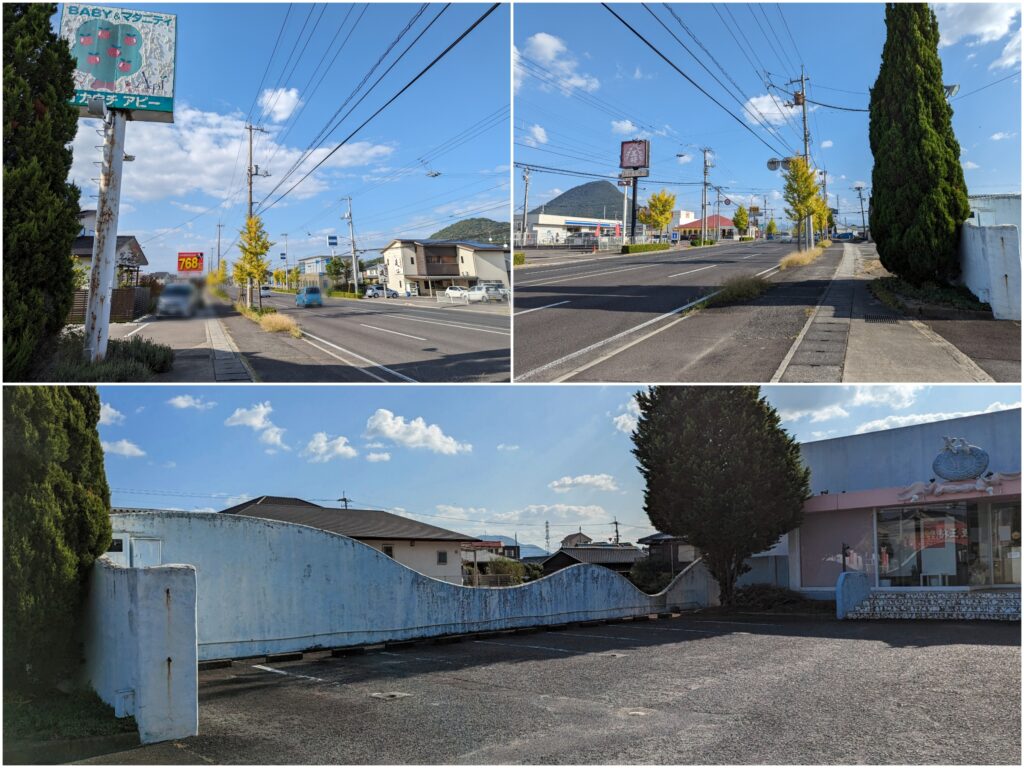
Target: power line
x: 388, y: 103
x: 994, y: 82
x: 687, y: 77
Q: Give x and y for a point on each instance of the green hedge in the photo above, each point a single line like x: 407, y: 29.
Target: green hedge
x: 344, y: 295
x: 284, y: 290
x: 746, y: 239
x: 646, y: 247
x: 518, y: 259
x: 702, y: 242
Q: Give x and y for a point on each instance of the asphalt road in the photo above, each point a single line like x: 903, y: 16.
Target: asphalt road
x: 569, y: 315
x: 704, y: 689
x: 401, y: 343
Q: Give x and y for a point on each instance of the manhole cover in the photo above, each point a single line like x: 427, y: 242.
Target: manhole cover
x: 390, y: 695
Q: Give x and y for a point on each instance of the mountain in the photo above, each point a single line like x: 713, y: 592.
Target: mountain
x: 525, y: 550
x: 597, y: 199
x: 478, y: 229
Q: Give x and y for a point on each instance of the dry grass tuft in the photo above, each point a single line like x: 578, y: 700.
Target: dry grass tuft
x: 277, y: 323
x: 801, y: 258
x: 740, y: 288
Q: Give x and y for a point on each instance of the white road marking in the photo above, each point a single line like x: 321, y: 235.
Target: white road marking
x: 535, y: 647
x: 129, y: 335
x: 463, y: 326
x: 394, y: 373
x: 537, y: 309
x: 589, y: 274
x: 342, y: 359
x: 621, y: 335
x: 288, y: 674
x: 699, y: 269
x: 397, y: 333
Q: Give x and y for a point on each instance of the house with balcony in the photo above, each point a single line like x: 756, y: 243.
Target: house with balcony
x: 428, y: 267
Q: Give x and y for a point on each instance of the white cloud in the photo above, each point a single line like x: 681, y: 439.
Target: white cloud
x: 684, y: 159
x: 894, y: 421
x: 413, y: 434
x: 826, y: 413
x: 188, y: 401
x: 536, y: 135
x: 970, y: 166
x: 893, y: 395
x: 109, y: 415
x: 628, y: 417
x: 505, y: 447
x: 552, y: 54
x: 827, y: 143
x: 123, y: 448
x: 279, y: 103
x: 1010, y: 57
x: 1001, y: 136
x: 255, y: 417
x: 978, y: 23
x: 197, y: 155
x: 599, y: 482
x: 322, y: 448
x: 859, y: 183
x: 273, y: 436
x: 382, y: 456
x: 625, y: 127
x: 773, y: 110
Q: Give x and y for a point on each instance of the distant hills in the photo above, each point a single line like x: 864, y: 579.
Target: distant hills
x: 597, y: 199
x: 479, y: 229
x: 525, y: 550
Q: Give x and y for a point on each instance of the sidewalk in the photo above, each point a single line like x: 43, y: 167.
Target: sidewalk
x: 853, y: 337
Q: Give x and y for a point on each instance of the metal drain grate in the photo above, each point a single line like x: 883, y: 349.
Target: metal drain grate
x: 887, y: 319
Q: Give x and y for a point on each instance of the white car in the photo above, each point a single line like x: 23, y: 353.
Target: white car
x: 478, y: 293
x: 265, y: 292
x: 456, y: 292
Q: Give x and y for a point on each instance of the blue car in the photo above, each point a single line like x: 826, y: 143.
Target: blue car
x: 309, y: 296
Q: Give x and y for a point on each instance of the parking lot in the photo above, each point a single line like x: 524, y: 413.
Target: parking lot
x: 694, y: 689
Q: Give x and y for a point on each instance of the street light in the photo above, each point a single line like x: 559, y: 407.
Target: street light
x: 951, y: 90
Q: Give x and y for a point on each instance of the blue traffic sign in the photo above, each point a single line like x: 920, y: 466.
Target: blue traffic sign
x: 332, y: 240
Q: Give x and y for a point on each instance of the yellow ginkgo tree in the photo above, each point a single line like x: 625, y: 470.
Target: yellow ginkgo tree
x: 251, y: 269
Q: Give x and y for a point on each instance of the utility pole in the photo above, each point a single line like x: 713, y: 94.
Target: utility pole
x: 250, y: 175
x: 287, y: 277
x: 344, y: 499
x: 616, y: 523
x: 800, y: 99
x: 764, y: 215
x: 526, y: 204
x: 704, y: 197
x: 547, y: 536
x: 863, y: 223
x: 104, y: 243
x: 352, y: 242
x: 219, y: 228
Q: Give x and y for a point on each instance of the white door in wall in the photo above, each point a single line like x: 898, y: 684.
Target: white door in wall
x: 146, y: 553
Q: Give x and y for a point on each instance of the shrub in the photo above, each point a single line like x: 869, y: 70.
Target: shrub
x: 503, y: 566
x: 275, y: 323
x: 745, y: 239
x: 892, y: 290
x: 134, y: 359
x: 740, y: 288
x: 800, y: 258
x: 649, y: 576
x: 518, y: 259
x: 159, y: 358
x: 645, y: 247
x: 56, y: 509
x: 698, y: 241
x: 344, y: 295
x: 766, y: 597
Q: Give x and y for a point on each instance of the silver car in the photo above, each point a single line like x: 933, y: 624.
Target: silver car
x: 180, y: 299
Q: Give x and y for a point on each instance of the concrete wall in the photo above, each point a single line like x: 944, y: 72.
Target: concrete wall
x: 269, y: 587
x: 898, y: 457
x: 852, y: 589
x: 990, y: 266
x: 140, y: 641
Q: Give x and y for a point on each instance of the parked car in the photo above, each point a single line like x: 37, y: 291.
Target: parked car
x: 456, y: 292
x: 478, y: 293
x: 265, y: 292
x: 784, y: 237
x: 378, y: 291
x: 180, y: 299
x: 309, y: 296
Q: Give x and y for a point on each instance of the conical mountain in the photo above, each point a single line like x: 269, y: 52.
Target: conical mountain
x: 597, y: 199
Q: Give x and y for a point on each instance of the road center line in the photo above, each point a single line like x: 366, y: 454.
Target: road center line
x: 397, y: 333
x: 537, y: 309
x: 394, y: 373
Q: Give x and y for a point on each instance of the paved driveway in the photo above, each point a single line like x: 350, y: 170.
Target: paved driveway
x: 695, y: 689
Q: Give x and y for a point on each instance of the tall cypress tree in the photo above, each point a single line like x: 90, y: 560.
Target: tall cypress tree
x: 40, y: 206
x: 919, y: 198
x: 720, y: 472
x: 56, y: 523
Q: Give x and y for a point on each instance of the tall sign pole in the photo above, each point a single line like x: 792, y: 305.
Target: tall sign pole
x: 526, y: 205
x: 632, y: 218
x: 219, y: 228
x: 800, y: 99
x: 104, y: 243
x: 635, y: 162
x: 704, y: 197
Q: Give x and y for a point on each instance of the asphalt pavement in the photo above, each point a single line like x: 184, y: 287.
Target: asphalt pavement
x: 698, y: 689
x: 571, y: 315
x: 388, y: 340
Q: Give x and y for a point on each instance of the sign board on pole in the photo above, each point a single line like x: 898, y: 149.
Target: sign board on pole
x: 635, y: 154
x: 755, y: 210
x: 190, y: 262
x: 125, y: 56
x: 625, y: 183
x: 727, y: 201
x: 332, y: 241
x: 634, y: 173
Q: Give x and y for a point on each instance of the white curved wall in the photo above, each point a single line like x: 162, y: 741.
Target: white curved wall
x: 270, y: 587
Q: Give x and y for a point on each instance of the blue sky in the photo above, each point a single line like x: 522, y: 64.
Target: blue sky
x: 495, y: 459
x: 587, y: 82
x: 184, y: 169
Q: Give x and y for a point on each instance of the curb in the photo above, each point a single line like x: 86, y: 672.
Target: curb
x: 67, y: 750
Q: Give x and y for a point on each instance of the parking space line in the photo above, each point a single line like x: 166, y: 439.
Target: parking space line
x: 397, y: 333
x: 129, y: 335
x: 534, y: 647
x: 288, y: 674
x: 537, y: 309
